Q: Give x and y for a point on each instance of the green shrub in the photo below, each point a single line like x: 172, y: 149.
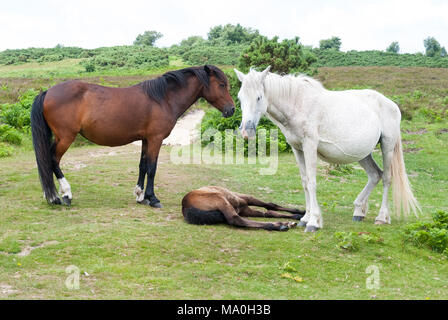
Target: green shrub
x: 5, y: 150
x: 17, y: 115
x: 433, y: 235
x: 10, y: 135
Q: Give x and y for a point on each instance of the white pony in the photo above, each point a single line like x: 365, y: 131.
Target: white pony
x: 336, y: 126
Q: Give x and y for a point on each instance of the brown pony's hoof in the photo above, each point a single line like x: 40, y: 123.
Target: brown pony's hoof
x: 156, y: 204
x: 147, y: 202
x: 283, y: 228
x: 358, y: 218
x: 297, y: 216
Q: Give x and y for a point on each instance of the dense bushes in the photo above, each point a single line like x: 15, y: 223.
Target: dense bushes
x: 58, y: 53
x: 333, y: 58
x: 206, y: 53
x: 130, y: 57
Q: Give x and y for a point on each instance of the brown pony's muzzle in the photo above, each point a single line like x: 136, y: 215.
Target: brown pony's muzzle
x: 228, y: 111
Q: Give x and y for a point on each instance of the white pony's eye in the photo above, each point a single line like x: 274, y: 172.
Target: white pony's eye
x: 259, y: 98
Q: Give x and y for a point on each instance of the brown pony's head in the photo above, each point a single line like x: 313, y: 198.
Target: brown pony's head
x: 217, y: 91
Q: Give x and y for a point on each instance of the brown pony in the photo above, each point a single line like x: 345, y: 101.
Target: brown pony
x: 212, y: 205
x: 107, y: 116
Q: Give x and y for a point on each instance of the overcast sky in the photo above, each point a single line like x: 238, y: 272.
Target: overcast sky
x: 361, y: 25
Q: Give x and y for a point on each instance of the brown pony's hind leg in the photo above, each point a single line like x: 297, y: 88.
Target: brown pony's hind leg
x: 139, y: 188
x: 233, y: 218
x: 249, y: 212
x: 59, y: 147
x: 252, y: 201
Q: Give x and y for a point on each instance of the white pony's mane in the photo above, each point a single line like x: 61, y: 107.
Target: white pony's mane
x: 289, y: 85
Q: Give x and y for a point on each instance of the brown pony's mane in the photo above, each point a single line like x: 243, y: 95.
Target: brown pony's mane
x: 156, y: 88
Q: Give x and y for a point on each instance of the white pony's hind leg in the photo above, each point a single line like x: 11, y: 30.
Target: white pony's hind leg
x: 387, y: 148
x: 302, y: 169
x: 374, y: 174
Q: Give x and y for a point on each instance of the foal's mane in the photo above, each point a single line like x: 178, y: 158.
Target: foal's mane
x: 156, y: 88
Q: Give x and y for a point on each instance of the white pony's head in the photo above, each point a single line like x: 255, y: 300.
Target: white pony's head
x: 253, y: 101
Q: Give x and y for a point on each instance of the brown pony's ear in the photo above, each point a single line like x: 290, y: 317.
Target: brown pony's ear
x: 207, y: 69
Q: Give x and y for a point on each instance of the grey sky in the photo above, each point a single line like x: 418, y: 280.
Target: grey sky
x: 361, y: 25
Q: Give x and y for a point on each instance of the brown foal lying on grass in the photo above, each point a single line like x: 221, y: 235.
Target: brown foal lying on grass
x: 213, y: 205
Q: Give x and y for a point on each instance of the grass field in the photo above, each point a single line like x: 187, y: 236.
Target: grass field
x: 124, y: 250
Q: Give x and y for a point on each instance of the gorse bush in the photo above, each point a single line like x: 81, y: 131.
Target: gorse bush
x: 433, y: 235
x: 287, y: 56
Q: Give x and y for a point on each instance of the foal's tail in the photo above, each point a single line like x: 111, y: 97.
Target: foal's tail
x: 42, y: 147
x: 403, y: 197
x: 196, y: 216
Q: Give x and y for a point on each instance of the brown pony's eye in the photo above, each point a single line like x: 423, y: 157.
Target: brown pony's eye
x: 222, y: 85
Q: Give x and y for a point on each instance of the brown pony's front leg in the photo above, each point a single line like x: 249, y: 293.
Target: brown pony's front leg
x: 150, y: 158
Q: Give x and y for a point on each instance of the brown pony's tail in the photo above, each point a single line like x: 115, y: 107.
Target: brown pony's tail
x: 196, y: 216
x: 404, y: 199
x: 42, y: 137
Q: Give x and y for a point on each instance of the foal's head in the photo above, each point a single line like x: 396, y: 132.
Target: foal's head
x: 253, y: 100
x: 217, y: 91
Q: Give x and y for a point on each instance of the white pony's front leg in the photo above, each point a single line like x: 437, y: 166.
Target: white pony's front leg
x: 302, y: 169
x: 65, y: 191
x: 310, y: 154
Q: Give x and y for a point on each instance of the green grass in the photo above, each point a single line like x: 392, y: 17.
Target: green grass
x: 125, y: 250
x: 128, y: 251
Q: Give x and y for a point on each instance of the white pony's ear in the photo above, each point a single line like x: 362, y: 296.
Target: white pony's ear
x: 239, y: 74
x: 265, y: 73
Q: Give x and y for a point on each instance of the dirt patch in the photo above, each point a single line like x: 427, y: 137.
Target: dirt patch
x: 6, y: 290
x: 444, y: 130
x: 27, y: 250
x: 407, y: 141
x: 419, y: 131
x: 412, y: 150
x: 185, y: 130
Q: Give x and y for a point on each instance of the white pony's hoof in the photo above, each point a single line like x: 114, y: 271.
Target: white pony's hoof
x: 358, y: 218
x: 311, y: 229
x: 379, y: 222
x: 302, y: 224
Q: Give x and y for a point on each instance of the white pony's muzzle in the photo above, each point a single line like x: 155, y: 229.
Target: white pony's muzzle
x: 248, y: 130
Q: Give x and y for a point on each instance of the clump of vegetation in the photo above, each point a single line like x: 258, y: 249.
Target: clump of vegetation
x: 352, y: 241
x: 433, y: 235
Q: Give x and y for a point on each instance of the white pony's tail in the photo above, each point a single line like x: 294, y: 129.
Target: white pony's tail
x: 403, y: 197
